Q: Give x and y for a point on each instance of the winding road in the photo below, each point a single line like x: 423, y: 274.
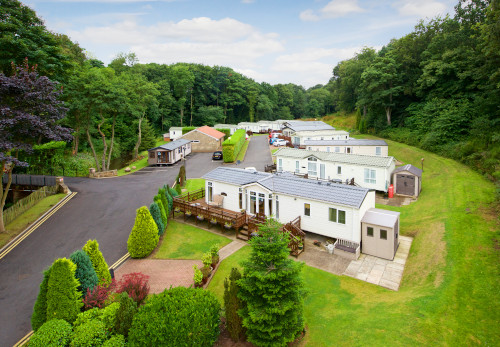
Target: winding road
x: 104, y: 210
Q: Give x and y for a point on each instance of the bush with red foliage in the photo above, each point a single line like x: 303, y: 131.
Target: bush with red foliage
x: 98, y: 296
x: 135, y: 285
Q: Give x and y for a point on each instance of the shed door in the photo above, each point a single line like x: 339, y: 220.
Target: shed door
x: 405, y: 185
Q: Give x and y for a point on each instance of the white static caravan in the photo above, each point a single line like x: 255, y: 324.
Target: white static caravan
x: 249, y: 126
x: 299, y: 138
x: 266, y: 125
x: 351, y: 146
x: 328, y: 209
x: 293, y: 126
x: 232, y: 127
x: 175, y: 133
x: 371, y: 172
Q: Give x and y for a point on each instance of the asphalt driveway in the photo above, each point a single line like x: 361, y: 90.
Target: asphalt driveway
x: 103, y: 210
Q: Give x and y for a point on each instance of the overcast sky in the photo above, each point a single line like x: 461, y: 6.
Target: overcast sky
x: 275, y: 41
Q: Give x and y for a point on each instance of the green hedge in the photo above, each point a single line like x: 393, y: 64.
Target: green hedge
x: 225, y: 131
x: 56, y: 332
x: 89, y: 334
x: 185, y: 130
x: 232, y: 146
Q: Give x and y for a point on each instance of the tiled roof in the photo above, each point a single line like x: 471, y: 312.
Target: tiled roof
x: 355, y: 142
x: 211, y: 132
x: 288, y: 184
x: 356, y: 159
x: 410, y: 168
x: 172, y: 145
x: 297, y: 125
x: 380, y: 217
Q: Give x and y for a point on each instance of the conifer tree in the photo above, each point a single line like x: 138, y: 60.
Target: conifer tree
x: 163, y: 209
x: 98, y: 261
x: 144, y: 235
x: 272, y: 290
x: 40, y: 309
x: 63, y: 297
x: 232, y: 304
x: 85, y: 272
x: 155, y: 211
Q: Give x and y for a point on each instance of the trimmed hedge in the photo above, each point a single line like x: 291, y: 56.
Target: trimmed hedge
x: 85, y: 272
x: 89, y: 334
x: 56, y: 332
x: 232, y: 146
x: 40, y: 309
x: 144, y: 237
x: 98, y: 262
x: 177, y: 317
x: 185, y: 130
x: 155, y: 211
x: 63, y: 297
x: 226, y: 131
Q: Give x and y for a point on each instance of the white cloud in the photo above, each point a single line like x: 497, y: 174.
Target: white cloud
x: 334, y: 9
x: 421, y: 8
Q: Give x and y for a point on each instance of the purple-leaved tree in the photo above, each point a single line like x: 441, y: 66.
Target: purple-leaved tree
x: 29, y: 114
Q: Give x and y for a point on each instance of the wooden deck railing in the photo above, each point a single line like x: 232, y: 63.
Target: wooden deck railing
x: 297, y: 236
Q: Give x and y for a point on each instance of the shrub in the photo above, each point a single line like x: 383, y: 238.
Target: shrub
x: 206, y: 259
x: 115, y: 341
x: 125, y: 314
x: 177, y: 317
x: 198, y: 276
x: 187, y: 129
x: 91, y: 333
x: 85, y: 272
x: 163, y: 211
x: 135, y: 285
x: 98, y: 296
x: 40, y: 309
x: 226, y: 131
x: 108, y: 315
x: 144, y: 235
x: 232, y: 146
x: 164, y: 201
x: 98, y: 262
x: 157, y: 217
x: 232, y: 304
x: 63, y: 297
x: 55, y: 332
x: 178, y: 189
x: 171, y: 194
x: 182, y: 175
x: 84, y: 317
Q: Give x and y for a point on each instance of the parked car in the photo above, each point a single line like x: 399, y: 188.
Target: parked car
x: 251, y: 168
x: 272, y: 140
x: 280, y: 142
x: 217, y: 155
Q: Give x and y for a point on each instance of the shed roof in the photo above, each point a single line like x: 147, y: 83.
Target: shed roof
x: 356, y: 159
x: 288, y: 184
x: 298, y: 125
x: 410, y: 168
x: 354, y: 142
x: 172, y: 145
x: 380, y: 217
x: 216, y: 134
x: 174, y: 128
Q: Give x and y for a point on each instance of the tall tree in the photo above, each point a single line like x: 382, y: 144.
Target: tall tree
x: 30, y: 110
x: 182, y: 82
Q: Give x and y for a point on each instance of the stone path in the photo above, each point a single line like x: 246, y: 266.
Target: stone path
x: 384, y: 273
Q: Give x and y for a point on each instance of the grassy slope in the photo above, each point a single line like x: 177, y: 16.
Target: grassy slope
x: 28, y: 217
x: 450, y: 289
x: 183, y: 241
x: 194, y: 184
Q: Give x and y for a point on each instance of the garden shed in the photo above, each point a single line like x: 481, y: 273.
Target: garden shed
x: 205, y: 139
x: 169, y: 153
x: 380, y: 233
x: 407, y: 180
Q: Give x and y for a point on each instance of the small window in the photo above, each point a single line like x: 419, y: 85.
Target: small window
x: 332, y: 214
x: 328, y: 149
x: 337, y: 149
x: 339, y: 170
x: 369, y: 231
x: 307, y: 209
x: 370, y: 176
x: 383, y: 234
x: 378, y: 150
x: 341, y: 217
x: 152, y: 154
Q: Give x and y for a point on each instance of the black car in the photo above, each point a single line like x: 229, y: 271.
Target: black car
x: 217, y: 155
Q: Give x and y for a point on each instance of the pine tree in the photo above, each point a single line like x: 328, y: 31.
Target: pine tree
x: 63, y: 297
x: 98, y: 261
x: 85, y: 272
x: 272, y: 289
x: 163, y: 209
x: 232, y: 304
x: 40, y: 309
x: 144, y: 237
x: 155, y: 211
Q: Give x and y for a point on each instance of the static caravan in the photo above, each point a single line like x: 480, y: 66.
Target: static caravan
x: 367, y: 171
x: 232, y: 127
x: 350, y: 146
x: 175, y: 133
x: 249, y: 126
x: 169, y: 153
x: 299, y: 138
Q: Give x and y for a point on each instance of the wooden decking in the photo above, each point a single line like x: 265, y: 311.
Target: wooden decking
x: 246, y: 225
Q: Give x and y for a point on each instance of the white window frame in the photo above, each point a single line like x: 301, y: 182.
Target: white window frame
x: 280, y: 164
x: 297, y: 166
x: 337, y: 213
x: 378, y: 150
x: 371, y: 176
x: 312, y: 166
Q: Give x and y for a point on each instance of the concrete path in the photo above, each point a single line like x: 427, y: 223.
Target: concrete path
x: 384, y: 273
x: 230, y: 248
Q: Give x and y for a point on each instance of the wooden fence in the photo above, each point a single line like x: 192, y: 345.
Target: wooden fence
x: 24, y: 204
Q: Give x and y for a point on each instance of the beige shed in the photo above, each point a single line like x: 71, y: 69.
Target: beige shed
x: 380, y: 233
x: 205, y: 139
x: 407, y: 180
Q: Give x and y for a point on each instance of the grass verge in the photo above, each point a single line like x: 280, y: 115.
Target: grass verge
x: 141, y: 162
x: 184, y: 241
x: 28, y: 217
x: 243, y: 151
x: 194, y: 184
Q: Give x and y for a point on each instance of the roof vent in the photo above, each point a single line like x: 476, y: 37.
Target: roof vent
x: 319, y: 182
x: 328, y: 184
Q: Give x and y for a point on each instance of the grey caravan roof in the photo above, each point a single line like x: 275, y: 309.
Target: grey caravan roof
x: 288, y: 184
x: 354, y: 142
x: 410, y: 168
x: 172, y: 145
x: 297, y: 125
x: 380, y: 217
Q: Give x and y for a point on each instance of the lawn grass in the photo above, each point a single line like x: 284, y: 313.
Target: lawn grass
x: 142, y: 162
x: 193, y: 184
x: 184, y: 241
x: 449, y: 294
x: 28, y: 217
x: 341, y: 121
x: 243, y: 151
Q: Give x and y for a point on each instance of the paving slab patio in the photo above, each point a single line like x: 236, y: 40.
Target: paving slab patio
x: 382, y: 272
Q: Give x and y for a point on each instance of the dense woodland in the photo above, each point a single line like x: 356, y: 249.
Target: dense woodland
x: 437, y: 87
